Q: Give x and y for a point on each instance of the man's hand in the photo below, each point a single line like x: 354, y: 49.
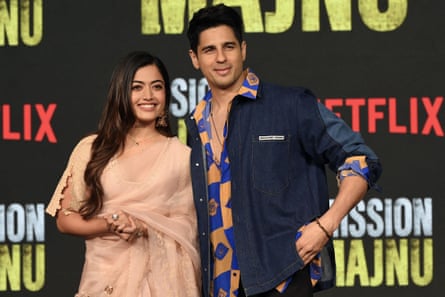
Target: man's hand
x: 311, y: 241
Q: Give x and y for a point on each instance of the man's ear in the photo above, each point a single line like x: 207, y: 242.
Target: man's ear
x: 244, y: 50
x: 194, y: 59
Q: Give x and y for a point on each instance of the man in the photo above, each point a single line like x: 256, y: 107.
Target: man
x: 258, y: 161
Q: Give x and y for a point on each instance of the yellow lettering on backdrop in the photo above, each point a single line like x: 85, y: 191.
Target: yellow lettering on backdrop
x: 357, y: 265
x: 250, y: 11
x: 377, y: 278
x: 194, y: 6
x: 182, y: 131
x: 310, y: 15
x: 339, y: 250
x: 173, y: 15
x: 9, y: 22
x: 396, y: 262
x: 416, y: 268
x: 150, y: 17
x: 169, y: 16
x: 37, y: 264
x: 280, y: 20
x: 25, y: 22
x: 388, y: 20
x: 339, y: 14
x: 18, y: 261
x: 10, y: 267
x: 391, y: 264
x: 338, y: 11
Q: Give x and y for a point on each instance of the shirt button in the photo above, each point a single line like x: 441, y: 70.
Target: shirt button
x: 203, y: 234
x: 201, y: 200
x: 196, y: 164
x: 205, y: 269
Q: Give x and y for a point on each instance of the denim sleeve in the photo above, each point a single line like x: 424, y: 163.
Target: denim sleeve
x: 359, y: 159
x: 327, y: 139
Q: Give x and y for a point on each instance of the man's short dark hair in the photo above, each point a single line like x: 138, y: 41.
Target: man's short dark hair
x: 213, y: 16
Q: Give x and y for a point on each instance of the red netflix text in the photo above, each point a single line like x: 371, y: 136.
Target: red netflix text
x: 31, y: 123
x: 413, y: 116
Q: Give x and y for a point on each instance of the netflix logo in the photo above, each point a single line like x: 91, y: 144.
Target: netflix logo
x: 30, y: 122
x: 415, y: 116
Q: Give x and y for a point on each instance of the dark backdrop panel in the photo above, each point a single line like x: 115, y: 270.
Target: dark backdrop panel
x: 377, y: 64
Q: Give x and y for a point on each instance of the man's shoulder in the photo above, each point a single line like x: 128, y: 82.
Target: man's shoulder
x: 268, y: 90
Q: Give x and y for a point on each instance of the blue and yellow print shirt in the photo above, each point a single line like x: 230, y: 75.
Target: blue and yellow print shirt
x: 224, y: 269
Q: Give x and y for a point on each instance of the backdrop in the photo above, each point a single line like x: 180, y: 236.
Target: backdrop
x: 377, y: 64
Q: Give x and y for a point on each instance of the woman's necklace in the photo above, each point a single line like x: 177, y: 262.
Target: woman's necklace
x: 138, y: 142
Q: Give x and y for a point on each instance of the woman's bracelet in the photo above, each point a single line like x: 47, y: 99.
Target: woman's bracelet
x: 323, y: 228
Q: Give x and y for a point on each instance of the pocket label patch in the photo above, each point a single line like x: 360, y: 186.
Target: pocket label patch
x: 271, y: 137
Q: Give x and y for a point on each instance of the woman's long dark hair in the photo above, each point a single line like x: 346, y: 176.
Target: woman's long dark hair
x: 116, y: 120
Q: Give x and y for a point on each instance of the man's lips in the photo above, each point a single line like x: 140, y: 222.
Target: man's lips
x: 222, y: 71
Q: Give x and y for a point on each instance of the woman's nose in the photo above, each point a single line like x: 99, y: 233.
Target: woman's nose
x: 148, y: 93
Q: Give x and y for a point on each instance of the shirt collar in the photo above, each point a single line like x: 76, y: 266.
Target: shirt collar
x: 248, y: 89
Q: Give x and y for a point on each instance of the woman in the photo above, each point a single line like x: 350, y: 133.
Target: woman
x: 127, y: 191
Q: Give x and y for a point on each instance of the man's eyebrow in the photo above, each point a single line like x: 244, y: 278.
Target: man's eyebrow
x: 211, y: 46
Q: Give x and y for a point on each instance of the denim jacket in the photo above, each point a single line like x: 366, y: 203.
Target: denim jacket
x: 279, y: 146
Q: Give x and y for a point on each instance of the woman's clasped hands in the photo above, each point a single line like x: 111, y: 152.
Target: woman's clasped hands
x: 125, y: 226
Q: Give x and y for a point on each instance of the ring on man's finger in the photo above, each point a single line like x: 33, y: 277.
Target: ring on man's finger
x: 115, y: 216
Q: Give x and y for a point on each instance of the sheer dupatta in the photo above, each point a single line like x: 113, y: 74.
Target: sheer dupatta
x: 151, y: 183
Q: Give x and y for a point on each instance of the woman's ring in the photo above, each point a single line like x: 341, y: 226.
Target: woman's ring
x: 115, y: 216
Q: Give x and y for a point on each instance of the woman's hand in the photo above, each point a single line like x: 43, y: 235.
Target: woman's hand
x: 125, y: 226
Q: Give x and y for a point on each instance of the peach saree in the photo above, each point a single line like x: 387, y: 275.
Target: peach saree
x: 159, y: 193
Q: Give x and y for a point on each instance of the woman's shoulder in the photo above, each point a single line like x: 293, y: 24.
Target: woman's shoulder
x: 83, y: 147
x: 175, y: 141
x: 87, y: 140
x: 178, y: 146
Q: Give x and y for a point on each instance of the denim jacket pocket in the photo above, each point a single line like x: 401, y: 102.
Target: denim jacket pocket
x: 270, y: 162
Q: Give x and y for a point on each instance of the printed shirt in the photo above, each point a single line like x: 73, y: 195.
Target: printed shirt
x: 225, y: 272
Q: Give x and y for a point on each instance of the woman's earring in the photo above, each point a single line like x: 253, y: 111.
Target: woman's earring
x: 161, y: 121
